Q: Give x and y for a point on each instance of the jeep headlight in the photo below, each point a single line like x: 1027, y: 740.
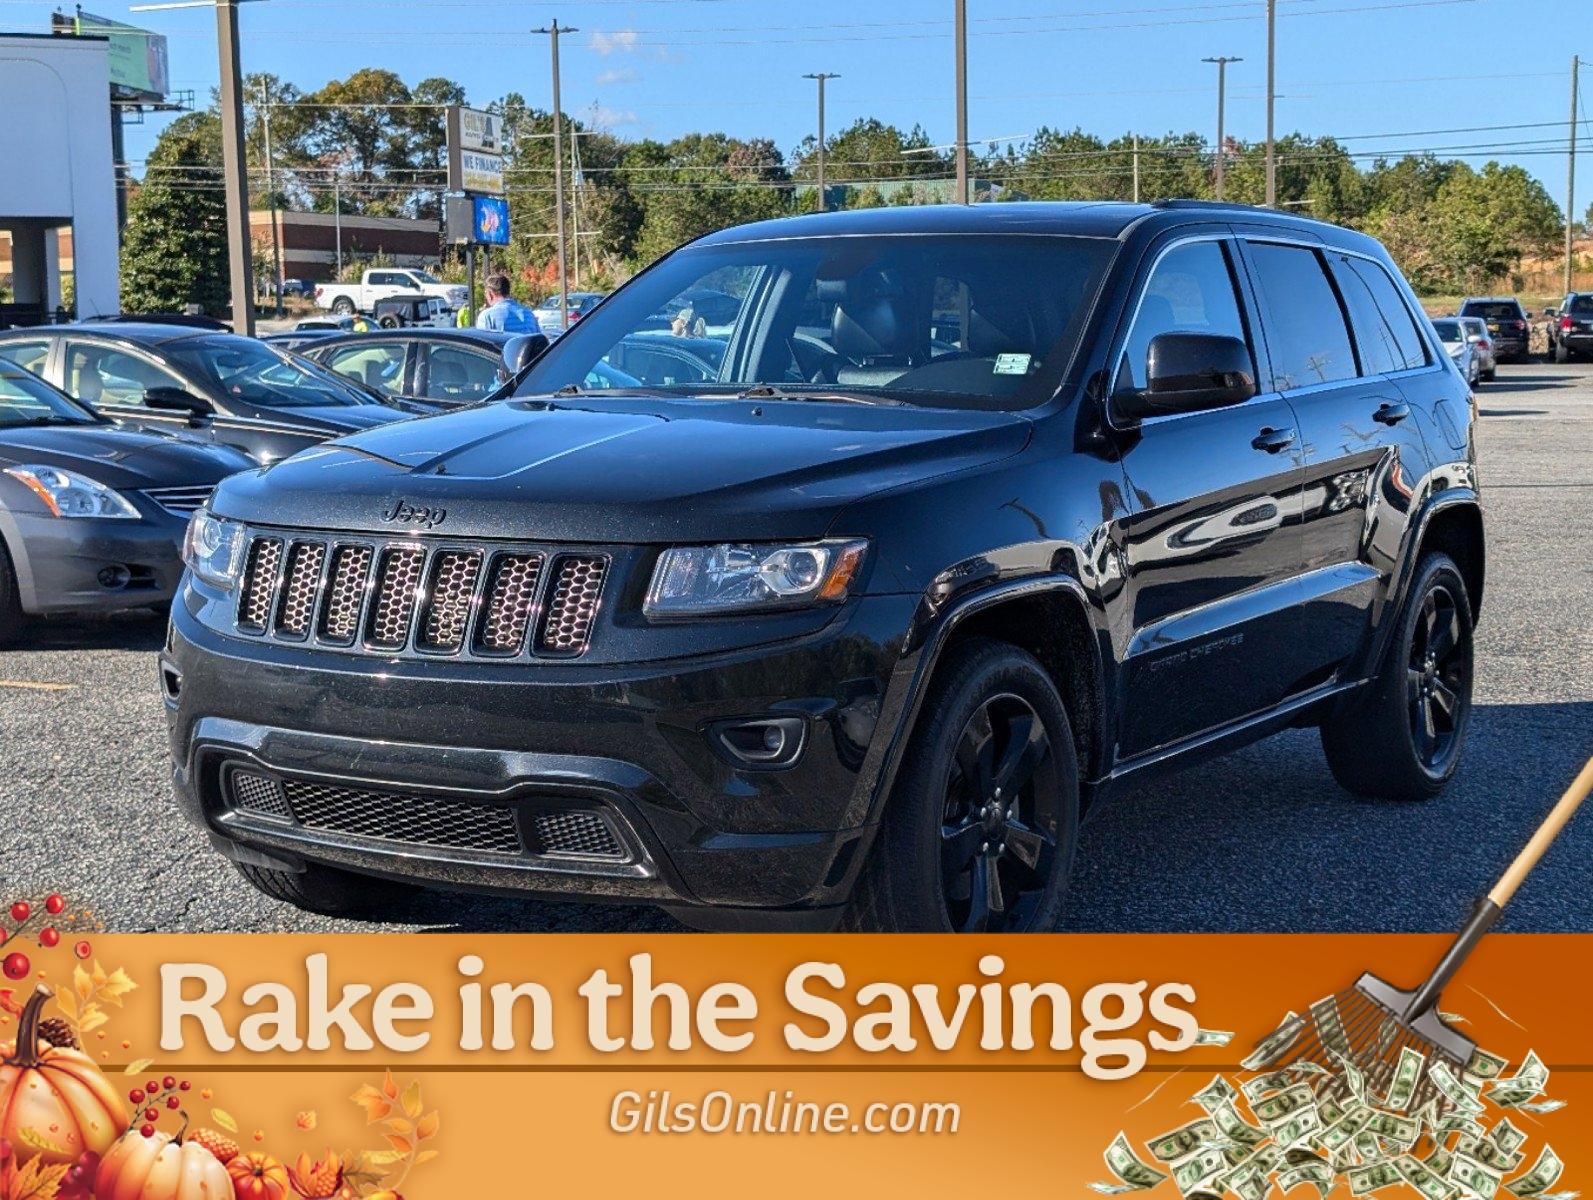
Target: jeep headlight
x: 213, y: 548
x: 68, y: 494
x: 692, y: 581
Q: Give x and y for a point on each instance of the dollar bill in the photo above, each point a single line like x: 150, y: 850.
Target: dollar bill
x: 1545, y: 1173
x: 1274, y: 1109
x: 1459, y: 1123
x: 1483, y: 1065
x: 1440, y: 1160
x: 1276, y: 1044
x: 1423, y: 1178
x: 1527, y: 1083
x: 1329, y: 1026
x: 1407, y: 1074
x: 1235, y: 1128
x: 1453, y: 1090
x: 1122, y: 1162
x: 1318, y: 1173
x: 1297, y: 1128
x: 1540, y: 1107
x: 1199, y: 1169
x: 1215, y: 1094
x: 1352, y: 1077
x: 1183, y: 1141
x: 1252, y: 1184
x: 1474, y: 1178
x: 1213, y: 1037
x: 1401, y: 1130
x: 1369, y: 1177
x: 1484, y: 1151
x: 1506, y: 1136
x: 1344, y: 1131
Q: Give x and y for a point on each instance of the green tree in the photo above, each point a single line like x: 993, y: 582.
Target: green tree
x: 174, y: 249
x: 1487, y: 221
x: 357, y: 124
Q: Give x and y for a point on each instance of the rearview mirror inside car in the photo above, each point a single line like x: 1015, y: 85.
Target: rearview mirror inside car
x: 1190, y: 372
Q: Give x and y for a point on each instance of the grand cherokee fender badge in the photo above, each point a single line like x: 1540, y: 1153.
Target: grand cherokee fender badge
x: 403, y: 512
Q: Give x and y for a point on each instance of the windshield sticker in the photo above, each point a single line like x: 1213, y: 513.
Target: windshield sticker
x: 1013, y: 364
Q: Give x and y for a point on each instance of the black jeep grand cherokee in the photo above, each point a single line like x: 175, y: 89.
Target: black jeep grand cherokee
x: 982, y: 514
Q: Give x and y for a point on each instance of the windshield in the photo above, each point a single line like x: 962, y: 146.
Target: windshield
x: 258, y: 374
x: 1448, y: 331
x: 953, y: 321
x: 26, y: 399
x: 1580, y: 306
x: 1492, y: 310
x: 424, y: 277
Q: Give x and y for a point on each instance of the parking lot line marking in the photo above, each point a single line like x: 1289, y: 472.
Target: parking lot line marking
x: 29, y: 685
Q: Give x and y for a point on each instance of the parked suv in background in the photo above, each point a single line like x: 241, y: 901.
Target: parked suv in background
x: 1507, y: 324
x: 1571, y: 328
x: 986, y: 514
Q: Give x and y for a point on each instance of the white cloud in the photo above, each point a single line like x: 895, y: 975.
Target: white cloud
x: 625, y: 40
x: 618, y: 75
x: 607, y: 118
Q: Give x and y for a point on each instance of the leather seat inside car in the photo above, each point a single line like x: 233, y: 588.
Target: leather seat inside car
x: 871, y: 329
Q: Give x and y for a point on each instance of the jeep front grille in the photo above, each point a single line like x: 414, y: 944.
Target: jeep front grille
x: 400, y: 597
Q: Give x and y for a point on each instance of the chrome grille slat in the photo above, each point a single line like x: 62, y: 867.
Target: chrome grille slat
x: 181, y: 501
x: 421, y: 596
x: 397, y: 595
x: 450, y: 600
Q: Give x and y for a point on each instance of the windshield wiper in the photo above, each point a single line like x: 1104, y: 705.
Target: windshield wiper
x: 769, y: 391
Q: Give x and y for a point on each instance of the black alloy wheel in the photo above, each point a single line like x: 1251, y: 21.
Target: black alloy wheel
x: 998, y: 834
x: 1438, y: 677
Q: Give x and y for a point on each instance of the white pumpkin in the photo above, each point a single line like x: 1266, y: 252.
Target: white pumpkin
x: 160, y: 1168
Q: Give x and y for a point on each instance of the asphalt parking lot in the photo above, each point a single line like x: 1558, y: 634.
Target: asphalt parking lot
x: 1260, y: 840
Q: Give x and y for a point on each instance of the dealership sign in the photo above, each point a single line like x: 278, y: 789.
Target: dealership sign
x: 137, y: 57
x: 475, y: 151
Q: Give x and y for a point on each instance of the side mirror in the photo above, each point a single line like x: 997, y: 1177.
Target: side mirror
x: 1190, y: 372
x: 520, y: 352
x: 174, y: 399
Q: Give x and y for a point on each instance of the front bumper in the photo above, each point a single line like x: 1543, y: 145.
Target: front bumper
x: 85, y: 565
x: 630, y: 744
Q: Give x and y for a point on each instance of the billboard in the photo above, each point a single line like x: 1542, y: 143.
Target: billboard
x: 490, y: 220
x: 475, y: 151
x: 138, y: 57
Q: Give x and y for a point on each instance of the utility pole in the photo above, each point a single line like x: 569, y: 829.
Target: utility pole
x: 1222, y: 101
x: 575, y: 207
x: 1570, y: 175
x: 240, y: 260
x: 553, y: 31
x: 1272, y: 102
x: 337, y: 216
x: 823, y: 77
x: 1136, y: 168
x: 271, y: 193
x: 962, y: 101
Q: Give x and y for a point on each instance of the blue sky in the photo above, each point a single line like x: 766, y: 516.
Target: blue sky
x: 658, y: 68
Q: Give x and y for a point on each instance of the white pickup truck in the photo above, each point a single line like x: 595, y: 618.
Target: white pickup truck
x: 349, y: 298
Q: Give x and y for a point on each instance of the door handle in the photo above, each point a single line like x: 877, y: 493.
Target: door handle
x: 1391, y: 414
x: 1273, y: 440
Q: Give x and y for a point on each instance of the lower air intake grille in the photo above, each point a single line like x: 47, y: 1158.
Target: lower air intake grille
x: 584, y: 834
x: 391, y: 816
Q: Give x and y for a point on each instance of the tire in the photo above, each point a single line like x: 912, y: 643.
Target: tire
x: 947, y: 858
x: 1562, y: 354
x: 1490, y: 374
x: 1401, y: 739
x: 325, y: 890
x: 343, y: 306
x: 12, y: 618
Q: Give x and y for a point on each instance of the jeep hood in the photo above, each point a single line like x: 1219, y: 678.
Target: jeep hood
x: 619, y: 470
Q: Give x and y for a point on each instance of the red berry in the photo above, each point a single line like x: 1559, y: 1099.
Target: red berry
x: 88, y: 1160
x: 136, y: 1095
x: 147, y: 1130
x: 49, y: 937
x: 152, y: 1114
x: 53, y: 903
x: 21, y: 910
x: 169, y: 1082
x: 173, y: 1103
x: 16, y: 965
x: 184, y: 1086
x: 82, y: 949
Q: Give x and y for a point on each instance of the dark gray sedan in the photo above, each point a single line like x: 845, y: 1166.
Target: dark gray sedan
x: 92, y: 516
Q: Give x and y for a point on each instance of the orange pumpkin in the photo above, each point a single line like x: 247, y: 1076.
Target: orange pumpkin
x: 258, y: 1177
x: 56, y: 1094
x: 161, y: 1167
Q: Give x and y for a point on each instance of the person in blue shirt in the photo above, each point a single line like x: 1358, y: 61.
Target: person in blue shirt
x: 503, y: 311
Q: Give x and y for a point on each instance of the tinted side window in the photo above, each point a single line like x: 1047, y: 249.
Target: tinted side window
x: 460, y: 375
x: 1410, y: 348
x: 1577, y: 306
x: 99, y: 375
x: 378, y: 365
x: 29, y: 355
x: 1306, y: 334
x: 1191, y: 290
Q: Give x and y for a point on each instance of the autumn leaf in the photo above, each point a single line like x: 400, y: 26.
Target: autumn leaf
x: 412, y: 1099
x: 93, y: 1018
x: 400, y: 1126
x: 375, y: 1104
x: 9, y: 1003
x: 382, y: 1158
x: 427, y: 1126
x: 65, y: 1001
x: 224, y: 1119
x: 35, y: 1181
x: 425, y: 1156
x: 389, y: 1086
x: 138, y: 1067
x: 306, y: 1120
x: 29, y: 1136
x: 82, y: 984
x: 402, y: 1144
x: 117, y: 985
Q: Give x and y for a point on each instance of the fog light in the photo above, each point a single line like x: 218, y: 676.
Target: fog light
x: 762, y: 742
x: 115, y: 578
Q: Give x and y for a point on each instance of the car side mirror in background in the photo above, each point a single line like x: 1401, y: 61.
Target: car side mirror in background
x: 520, y: 352
x: 1190, y: 372
x: 174, y: 399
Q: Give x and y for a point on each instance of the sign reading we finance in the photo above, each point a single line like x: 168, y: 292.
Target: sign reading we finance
x: 475, y: 151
